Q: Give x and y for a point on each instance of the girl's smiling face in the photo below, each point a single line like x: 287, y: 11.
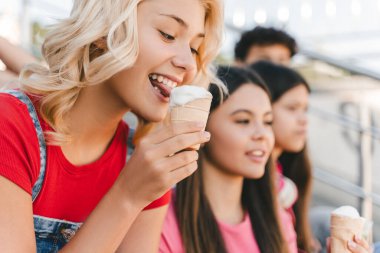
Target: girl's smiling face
x: 241, y: 133
x: 169, y: 34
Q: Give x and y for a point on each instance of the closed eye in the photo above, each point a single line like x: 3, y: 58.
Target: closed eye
x: 269, y: 122
x: 194, y: 51
x: 167, y: 36
x: 243, y: 121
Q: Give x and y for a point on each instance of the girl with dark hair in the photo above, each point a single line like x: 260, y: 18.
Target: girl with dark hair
x: 228, y: 204
x: 290, y: 97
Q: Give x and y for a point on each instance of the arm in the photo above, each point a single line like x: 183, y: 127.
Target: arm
x: 6, y: 78
x: 16, y: 219
x: 144, y: 235
x: 107, y: 225
x: 14, y: 57
x: 151, y: 171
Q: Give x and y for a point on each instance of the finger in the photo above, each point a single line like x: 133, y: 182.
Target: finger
x: 166, y: 132
x: 359, y: 240
x: 181, y: 142
x: 356, y: 248
x: 183, y: 172
x: 180, y: 160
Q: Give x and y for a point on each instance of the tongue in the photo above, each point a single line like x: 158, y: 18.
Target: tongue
x: 161, y: 87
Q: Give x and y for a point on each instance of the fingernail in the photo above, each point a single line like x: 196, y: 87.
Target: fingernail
x: 351, y: 244
x: 358, y: 238
x: 206, y: 135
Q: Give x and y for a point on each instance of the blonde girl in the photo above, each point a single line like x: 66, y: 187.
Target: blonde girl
x: 63, y: 142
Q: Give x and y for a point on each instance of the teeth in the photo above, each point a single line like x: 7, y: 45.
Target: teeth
x: 164, y: 80
x: 257, y: 153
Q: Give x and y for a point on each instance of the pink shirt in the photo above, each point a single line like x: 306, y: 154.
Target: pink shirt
x: 238, y: 238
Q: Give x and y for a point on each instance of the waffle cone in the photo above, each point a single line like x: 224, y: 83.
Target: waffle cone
x: 196, y: 110
x: 342, y: 230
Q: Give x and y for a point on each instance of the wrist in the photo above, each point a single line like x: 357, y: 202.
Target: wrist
x: 127, y: 198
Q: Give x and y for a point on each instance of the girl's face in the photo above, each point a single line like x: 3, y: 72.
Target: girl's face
x: 169, y: 33
x: 290, y: 119
x: 241, y: 133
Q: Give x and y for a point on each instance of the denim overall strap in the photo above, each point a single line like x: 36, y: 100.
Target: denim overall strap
x: 51, y: 234
x: 130, y: 146
x: 41, y: 140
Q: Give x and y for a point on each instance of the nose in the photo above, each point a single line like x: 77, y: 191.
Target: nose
x: 258, y: 132
x: 184, y: 59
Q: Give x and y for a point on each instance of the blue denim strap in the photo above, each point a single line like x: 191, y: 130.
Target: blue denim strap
x: 130, y: 146
x: 40, y: 135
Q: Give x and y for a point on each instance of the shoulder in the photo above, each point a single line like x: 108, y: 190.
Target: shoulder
x: 11, y: 106
x: 19, y: 146
x: 15, y: 118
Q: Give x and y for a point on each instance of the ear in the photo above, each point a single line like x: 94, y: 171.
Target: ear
x: 101, y: 43
x: 98, y: 48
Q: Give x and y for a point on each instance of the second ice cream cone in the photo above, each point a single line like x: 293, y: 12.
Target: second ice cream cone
x: 342, y: 230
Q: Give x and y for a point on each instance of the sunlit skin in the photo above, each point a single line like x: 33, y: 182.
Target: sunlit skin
x: 290, y: 120
x: 276, y: 53
x: 169, y: 37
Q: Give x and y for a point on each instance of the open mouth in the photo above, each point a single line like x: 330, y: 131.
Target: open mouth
x: 162, y: 84
x: 256, y: 153
x: 257, y: 156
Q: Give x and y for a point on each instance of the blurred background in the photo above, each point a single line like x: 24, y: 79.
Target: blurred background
x: 339, y: 42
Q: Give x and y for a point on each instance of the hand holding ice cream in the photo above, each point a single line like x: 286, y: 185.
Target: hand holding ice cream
x: 190, y: 103
x: 345, y: 224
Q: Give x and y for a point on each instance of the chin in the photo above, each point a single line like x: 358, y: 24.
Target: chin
x: 154, y: 117
x: 256, y: 174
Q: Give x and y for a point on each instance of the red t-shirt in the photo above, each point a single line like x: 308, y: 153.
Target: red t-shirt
x: 69, y: 192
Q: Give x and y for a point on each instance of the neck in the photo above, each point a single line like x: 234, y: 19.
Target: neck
x: 224, y: 192
x: 92, y: 123
x: 276, y: 153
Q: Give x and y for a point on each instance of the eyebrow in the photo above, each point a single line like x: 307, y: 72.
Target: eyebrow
x: 181, y: 22
x: 249, y: 112
x: 241, y: 110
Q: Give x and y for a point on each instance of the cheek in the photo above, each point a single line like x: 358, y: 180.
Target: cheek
x: 223, y: 146
x: 282, y: 130
x: 270, y: 139
x: 280, y: 123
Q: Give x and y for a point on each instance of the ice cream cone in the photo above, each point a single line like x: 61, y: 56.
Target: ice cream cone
x: 195, y: 110
x: 343, y: 229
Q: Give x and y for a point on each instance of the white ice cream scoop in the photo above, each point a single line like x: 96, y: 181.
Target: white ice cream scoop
x: 186, y: 93
x: 348, y: 211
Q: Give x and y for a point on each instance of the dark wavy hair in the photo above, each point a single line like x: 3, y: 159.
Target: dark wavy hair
x: 197, y: 223
x: 263, y: 36
x: 297, y: 166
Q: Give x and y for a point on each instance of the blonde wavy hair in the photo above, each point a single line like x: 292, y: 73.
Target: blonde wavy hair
x: 98, y: 40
